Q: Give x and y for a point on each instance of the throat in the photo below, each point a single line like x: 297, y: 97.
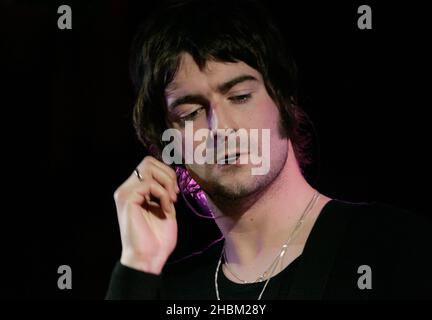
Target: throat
x: 263, y: 267
x: 253, y: 254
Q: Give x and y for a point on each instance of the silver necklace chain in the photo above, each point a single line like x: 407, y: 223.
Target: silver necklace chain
x: 280, y: 255
x: 261, y: 278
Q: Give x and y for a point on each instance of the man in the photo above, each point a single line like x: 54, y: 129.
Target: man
x: 213, y: 65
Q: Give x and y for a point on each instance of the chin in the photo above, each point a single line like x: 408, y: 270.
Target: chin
x: 232, y: 182
x: 234, y: 186
x: 232, y: 192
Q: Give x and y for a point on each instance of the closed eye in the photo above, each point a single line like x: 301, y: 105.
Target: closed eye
x: 240, y: 98
x: 191, y: 116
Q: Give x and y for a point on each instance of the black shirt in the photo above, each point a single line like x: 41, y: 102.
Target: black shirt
x: 354, y: 251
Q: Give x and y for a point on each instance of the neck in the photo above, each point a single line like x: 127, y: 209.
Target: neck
x: 263, y: 222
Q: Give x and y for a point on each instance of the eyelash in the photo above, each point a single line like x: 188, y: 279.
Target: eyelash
x: 192, y: 115
x: 243, y: 98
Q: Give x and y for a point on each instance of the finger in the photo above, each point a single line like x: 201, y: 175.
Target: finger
x: 150, y: 164
x: 165, y: 180
x: 152, y: 193
x: 153, y: 172
x: 167, y: 169
x: 160, y: 193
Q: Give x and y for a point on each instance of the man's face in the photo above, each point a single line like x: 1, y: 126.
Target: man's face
x: 226, y: 96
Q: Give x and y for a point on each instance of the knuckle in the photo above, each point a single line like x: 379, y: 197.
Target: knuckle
x: 119, y: 194
x: 172, y: 173
x: 147, y: 160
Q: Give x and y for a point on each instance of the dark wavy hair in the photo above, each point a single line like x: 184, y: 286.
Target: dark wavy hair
x: 212, y: 30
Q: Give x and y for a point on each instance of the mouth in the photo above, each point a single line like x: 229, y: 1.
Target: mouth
x: 229, y: 159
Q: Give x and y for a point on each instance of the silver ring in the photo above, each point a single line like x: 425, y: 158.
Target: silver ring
x: 138, y: 174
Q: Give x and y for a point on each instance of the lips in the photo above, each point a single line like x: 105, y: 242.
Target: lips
x: 229, y: 158
x: 232, y: 157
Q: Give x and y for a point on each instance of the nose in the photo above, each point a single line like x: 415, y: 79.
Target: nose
x: 218, y: 118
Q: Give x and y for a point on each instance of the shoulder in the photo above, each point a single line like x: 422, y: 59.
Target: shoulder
x: 369, y: 216
x: 394, y: 242
x: 191, y: 275
x: 377, y: 231
x: 199, y: 259
x: 379, y: 223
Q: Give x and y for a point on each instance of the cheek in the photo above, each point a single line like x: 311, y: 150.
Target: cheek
x: 269, y: 117
x: 267, y: 114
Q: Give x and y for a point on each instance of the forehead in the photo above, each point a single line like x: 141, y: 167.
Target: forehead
x: 189, y: 77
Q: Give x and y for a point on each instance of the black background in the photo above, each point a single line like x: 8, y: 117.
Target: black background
x: 68, y: 139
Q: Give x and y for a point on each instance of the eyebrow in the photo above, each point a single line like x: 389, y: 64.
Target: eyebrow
x: 222, y: 88
x: 226, y: 86
x: 188, y: 99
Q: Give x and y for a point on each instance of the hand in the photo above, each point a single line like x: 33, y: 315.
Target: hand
x: 147, y: 217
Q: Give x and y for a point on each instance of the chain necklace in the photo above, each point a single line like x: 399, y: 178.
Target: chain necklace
x: 271, y: 269
x: 259, y: 279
